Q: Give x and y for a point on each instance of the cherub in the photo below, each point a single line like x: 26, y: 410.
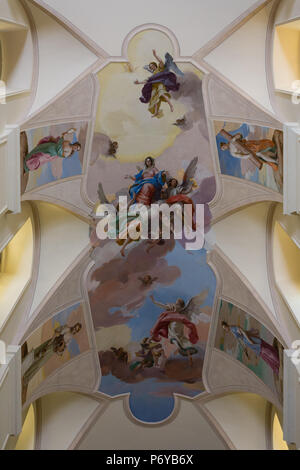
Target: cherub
x: 120, y: 354
x: 181, y: 122
x: 147, y: 280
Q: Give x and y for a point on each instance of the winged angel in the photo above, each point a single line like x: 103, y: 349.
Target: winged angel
x: 178, y: 323
x: 157, y: 88
x: 173, y: 193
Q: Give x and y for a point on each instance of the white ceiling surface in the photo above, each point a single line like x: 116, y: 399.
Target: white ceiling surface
x: 287, y: 10
x: 63, y: 416
x: 242, y: 237
x: 63, y: 237
x: 111, y: 21
x: 62, y: 58
x: 189, y: 430
x: 12, y: 11
x: 241, y: 58
x: 231, y: 411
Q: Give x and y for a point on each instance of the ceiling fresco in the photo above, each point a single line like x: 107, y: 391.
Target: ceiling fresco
x: 147, y: 315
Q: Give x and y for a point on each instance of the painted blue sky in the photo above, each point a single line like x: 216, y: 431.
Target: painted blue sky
x: 152, y: 400
x: 71, y: 167
x: 196, y: 276
x: 230, y: 165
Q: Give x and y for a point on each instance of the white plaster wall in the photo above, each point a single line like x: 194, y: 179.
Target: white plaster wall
x: 242, y: 237
x: 3, y: 189
x: 10, y: 224
x: 17, y: 47
x: 287, y: 270
x: 15, y: 270
x: 290, y: 223
x: 62, y: 416
x: 194, y: 22
x: 18, y: 60
x: 242, y: 416
x: 63, y: 237
x: 13, y: 11
x: 17, y: 51
x: 241, y: 58
x: 62, y: 58
x: 26, y: 439
x: 189, y: 430
x: 5, y: 391
x: 287, y: 10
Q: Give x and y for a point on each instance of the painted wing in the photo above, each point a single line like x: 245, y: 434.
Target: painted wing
x: 146, y: 67
x: 193, y: 308
x: 187, y: 184
x: 170, y: 65
x: 101, y: 195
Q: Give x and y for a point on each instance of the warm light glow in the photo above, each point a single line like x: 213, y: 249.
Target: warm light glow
x: 278, y: 441
x: 287, y: 269
x: 285, y: 55
x: 26, y: 438
x: 15, y: 272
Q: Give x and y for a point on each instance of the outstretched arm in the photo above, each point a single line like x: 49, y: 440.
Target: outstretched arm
x: 157, y: 303
x: 129, y: 177
x: 136, y: 82
x: 158, y: 58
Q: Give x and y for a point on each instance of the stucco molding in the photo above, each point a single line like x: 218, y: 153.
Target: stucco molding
x: 228, y: 375
x: 230, y: 29
x: 79, y: 374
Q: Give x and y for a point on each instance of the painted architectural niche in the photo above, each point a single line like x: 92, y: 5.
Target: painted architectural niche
x: 253, y: 153
x: 51, y: 153
x: 56, y: 342
x: 151, y: 303
x: 245, y: 339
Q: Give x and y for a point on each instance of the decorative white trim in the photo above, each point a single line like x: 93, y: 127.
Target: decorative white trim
x: 10, y: 394
x: 12, y: 25
x: 291, y: 397
x: 291, y: 168
x: 13, y: 169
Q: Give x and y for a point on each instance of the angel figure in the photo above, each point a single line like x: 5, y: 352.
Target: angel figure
x: 187, y: 185
x: 177, y: 193
x: 178, y: 317
x: 50, y: 148
x: 157, y: 88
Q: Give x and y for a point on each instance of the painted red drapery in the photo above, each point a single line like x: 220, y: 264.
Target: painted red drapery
x: 160, y: 328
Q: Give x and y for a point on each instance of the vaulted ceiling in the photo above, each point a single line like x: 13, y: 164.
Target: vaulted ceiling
x: 89, y: 55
